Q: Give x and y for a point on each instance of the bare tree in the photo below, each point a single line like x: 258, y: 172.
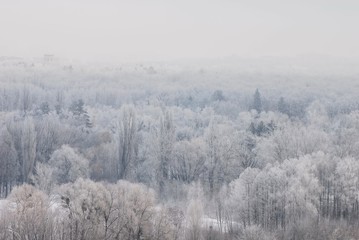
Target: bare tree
x: 127, y: 138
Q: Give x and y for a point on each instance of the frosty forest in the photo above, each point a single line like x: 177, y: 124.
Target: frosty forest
x: 226, y: 149
x: 179, y: 120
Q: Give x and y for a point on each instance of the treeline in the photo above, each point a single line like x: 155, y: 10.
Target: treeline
x: 161, y: 167
x: 88, y: 210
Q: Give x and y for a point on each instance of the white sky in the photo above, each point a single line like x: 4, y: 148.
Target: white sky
x: 136, y: 30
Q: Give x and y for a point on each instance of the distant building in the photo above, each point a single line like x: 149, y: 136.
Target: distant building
x: 48, y: 58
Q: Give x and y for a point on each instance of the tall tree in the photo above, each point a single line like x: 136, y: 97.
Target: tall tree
x: 257, y: 102
x: 166, y: 140
x: 9, y: 170
x: 23, y: 134
x: 283, y: 106
x: 127, y: 134
x: 28, y: 147
x: 221, y: 155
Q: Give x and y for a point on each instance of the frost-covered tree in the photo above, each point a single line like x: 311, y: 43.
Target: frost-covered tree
x: 347, y: 185
x: 23, y: 134
x: 283, y: 106
x: 242, y: 199
x: 257, y: 102
x: 68, y: 165
x: 166, y: 139
x: 195, y: 213
x: 127, y: 140
x: 188, y: 159
x: 221, y: 156
x: 88, y: 205
x: 294, y: 140
x: 28, y: 148
x: 43, y: 177
x: 29, y: 213
x: 9, y: 171
x: 104, y: 161
x: 48, y: 136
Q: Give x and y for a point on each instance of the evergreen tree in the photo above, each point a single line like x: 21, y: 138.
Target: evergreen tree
x: 257, y: 101
x: 44, y: 107
x: 218, y: 96
x: 78, y: 110
x: 77, y: 107
x: 283, y: 106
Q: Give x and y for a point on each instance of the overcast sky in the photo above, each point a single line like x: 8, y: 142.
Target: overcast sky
x: 135, y: 30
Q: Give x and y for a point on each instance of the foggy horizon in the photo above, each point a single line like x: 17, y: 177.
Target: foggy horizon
x: 136, y: 31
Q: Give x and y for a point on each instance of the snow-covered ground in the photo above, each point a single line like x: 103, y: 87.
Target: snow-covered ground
x: 224, y: 226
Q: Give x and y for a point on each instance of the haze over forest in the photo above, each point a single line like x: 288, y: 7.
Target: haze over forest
x: 179, y: 120
x: 167, y: 30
